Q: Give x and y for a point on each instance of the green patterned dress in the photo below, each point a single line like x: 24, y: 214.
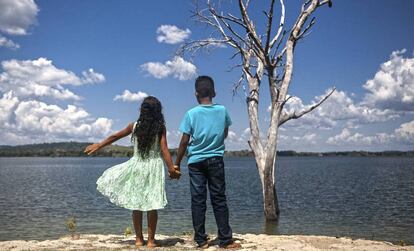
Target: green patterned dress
x: 137, y: 184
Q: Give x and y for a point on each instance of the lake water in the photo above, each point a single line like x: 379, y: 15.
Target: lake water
x: 361, y: 197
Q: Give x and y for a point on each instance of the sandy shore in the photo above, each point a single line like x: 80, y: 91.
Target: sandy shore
x: 184, y: 242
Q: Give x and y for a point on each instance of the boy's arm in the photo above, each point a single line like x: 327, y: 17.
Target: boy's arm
x: 181, y: 149
x: 167, y: 156
x: 114, y: 137
x: 227, y: 124
x: 226, y: 132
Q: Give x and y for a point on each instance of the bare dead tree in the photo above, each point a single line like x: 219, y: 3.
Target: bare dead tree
x: 266, y: 57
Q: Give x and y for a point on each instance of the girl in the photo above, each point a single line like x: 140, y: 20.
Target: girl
x: 138, y: 184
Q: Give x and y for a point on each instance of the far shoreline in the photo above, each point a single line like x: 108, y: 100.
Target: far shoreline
x: 75, y: 149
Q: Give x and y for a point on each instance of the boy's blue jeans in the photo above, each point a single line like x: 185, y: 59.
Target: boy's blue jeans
x: 209, y: 171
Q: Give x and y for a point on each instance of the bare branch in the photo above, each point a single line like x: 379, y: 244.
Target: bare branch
x: 237, y: 85
x: 286, y: 117
x: 269, y: 25
x: 329, y: 2
x: 194, y: 46
x: 307, y: 28
x: 251, y: 32
x: 281, y: 24
x: 290, y: 45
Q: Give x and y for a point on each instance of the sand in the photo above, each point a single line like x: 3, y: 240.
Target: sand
x: 184, y: 242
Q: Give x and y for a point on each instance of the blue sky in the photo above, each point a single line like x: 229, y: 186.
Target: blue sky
x: 64, y: 62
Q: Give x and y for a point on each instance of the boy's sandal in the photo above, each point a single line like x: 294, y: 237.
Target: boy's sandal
x: 204, y: 246
x: 232, y: 245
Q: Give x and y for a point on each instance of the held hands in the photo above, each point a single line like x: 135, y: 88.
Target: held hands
x: 174, y: 173
x: 92, y: 148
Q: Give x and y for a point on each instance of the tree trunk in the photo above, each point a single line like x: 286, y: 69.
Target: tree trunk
x: 270, y: 201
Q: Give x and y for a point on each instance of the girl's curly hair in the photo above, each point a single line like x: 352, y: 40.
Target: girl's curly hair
x: 150, y: 124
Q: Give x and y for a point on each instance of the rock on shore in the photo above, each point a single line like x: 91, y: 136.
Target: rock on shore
x: 184, y: 242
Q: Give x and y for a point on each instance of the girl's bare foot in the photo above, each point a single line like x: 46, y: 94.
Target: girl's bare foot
x: 139, y: 241
x: 151, y: 244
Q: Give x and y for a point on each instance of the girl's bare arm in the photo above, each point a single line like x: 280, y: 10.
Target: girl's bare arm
x: 167, y: 156
x: 185, y: 139
x: 114, y: 137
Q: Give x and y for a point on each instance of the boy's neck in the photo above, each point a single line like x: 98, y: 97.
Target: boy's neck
x: 205, y: 101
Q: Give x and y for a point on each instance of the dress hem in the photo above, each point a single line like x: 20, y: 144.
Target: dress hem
x: 131, y: 208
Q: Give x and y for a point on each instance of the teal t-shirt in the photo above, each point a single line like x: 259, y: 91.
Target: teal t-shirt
x: 205, y: 124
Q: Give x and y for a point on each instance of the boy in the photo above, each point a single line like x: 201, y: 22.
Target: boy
x: 207, y: 125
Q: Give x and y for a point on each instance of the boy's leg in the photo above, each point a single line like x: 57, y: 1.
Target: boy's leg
x: 198, y: 189
x: 217, y: 187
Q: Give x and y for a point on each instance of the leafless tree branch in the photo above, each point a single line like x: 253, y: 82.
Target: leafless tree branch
x: 286, y: 117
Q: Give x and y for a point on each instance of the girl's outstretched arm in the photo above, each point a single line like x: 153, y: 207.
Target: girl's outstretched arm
x: 173, y: 173
x: 114, y: 137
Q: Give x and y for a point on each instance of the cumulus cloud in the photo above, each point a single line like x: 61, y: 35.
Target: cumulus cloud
x: 128, y: 96
x: 171, y: 34
x: 232, y: 135
x: 8, y: 103
x: 389, y: 95
x: 173, y: 138
x: 393, y: 85
x: 346, y: 137
x: 403, y: 134
x: 7, y: 43
x: 177, y: 68
x: 91, y: 77
x: 42, y: 79
x: 239, y: 140
x: 16, y: 16
x: 338, y: 109
x: 26, y: 118
x: 29, y: 121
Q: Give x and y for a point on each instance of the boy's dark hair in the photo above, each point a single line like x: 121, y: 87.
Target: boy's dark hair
x: 204, y: 86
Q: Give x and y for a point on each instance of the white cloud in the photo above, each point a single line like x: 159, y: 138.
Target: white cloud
x: 171, y: 34
x: 177, y: 68
x: 40, y: 122
x: 339, y: 108
x: 90, y: 77
x: 390, y: 94
x: 24, y: 118
x: 128, y: 96
x: 16, y: 16
x: 405, y: 132
x: 346, y: 137
x: 8, y: 104
x: 42, y: 79
x: 7, y: 43
x: 232, y: 135
x: 311, y: 137
x: 393, y: 85
x: 173, y: 138
x: 156, y: 69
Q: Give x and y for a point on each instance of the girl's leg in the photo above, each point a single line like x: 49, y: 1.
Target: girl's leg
x: 137, y: 220
x: 152, y: 217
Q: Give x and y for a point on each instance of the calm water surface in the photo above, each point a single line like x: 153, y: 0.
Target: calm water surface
x: 362, y: 197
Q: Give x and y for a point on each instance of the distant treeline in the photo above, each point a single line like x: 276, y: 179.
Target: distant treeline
x: 75, y: 149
